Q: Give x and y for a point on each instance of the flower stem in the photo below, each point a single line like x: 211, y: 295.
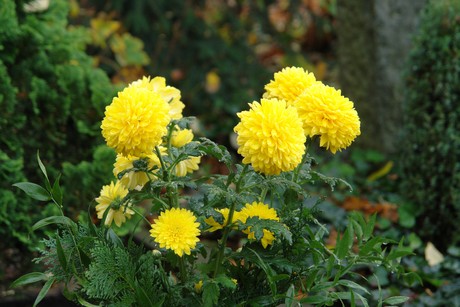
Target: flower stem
x: 172, y: 193
x: 182, y: 270
x: 228, y: 227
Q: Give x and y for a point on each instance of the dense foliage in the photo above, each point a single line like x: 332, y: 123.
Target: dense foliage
x: 431, y: 145
x: 51, y: 94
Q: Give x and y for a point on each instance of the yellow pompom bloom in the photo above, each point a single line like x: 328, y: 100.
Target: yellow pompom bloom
x: 135, y: 121
x: 215, y: 225
x: 289, y: 83
x: 325, y: 112
x: 270, y: 137
x: 181, y: 137
x: 176, y: 229
x: 169, y: 94
x: 187, y: 166
x: 262, y: 211
x: 134, y: 179
x: 111, y: 196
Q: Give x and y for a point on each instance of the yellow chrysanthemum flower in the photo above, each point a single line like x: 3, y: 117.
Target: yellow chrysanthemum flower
x: 176, y: 229
x: 187, y: 166
x: 169, y: 94
x: 215, y: 225
x: 134, y: 179
x: 262, y: 211
x: 135, y: 121
x: 270, y: 137
x: 289, y: 83
x: 325, y: 112
x: 181, y: 137
x: 111, y: 196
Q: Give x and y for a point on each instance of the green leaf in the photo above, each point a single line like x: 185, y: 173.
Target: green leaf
x: 394, y: 300
x: 85, y: 303
x: 352, y: 284
x: 112, y: 237
x: 290, y: 293
x: 56, y: 191
x: 369, y: 227
x: 41, y: 295
x: 345, y: 243
x: 29, y: 279
x: 43, y: 169
x: 34, y: 190
x: 62, y: 220
x: 61, y: 255
x: 225, y: 281
x: 317, y: 300
x: 210, y: 294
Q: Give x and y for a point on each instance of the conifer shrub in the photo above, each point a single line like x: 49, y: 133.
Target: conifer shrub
x: 52, y: 98
x: 431, y: 143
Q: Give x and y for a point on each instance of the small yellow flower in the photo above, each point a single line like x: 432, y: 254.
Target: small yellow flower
x: 215, y: 225
x: 270, y: 137
x: 134, y: 179
x: 199, y: 286
x: 289, y: 83
x: 169, y: 94
x: 135, y: 121
x: 325, y: 112
x: 111, y: 196
x: 262, y: 211
x: 176, y: 229
x: 180, y: 138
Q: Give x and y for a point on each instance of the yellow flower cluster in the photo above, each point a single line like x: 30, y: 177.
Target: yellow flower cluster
x: 256, y: 209
x: 268, y: 134
x: 322, y: 109
x: 176, y: 229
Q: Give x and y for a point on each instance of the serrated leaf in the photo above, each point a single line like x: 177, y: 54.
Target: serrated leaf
x: 345, y: 243
x: 41, y: 295
x: 395, y: 300
x: 34, y: 190
x: 28, y: 279
x: 225, y: 281
x: 210, y: 294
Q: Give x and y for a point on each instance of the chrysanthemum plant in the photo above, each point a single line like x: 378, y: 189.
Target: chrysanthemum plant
x: 262, y: 205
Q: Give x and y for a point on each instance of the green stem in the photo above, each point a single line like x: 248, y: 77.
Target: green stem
x: 140, y: 214
x: 172, y: 193
x: 263, y: 194
x: 228, y: 227
x: 182, y: 270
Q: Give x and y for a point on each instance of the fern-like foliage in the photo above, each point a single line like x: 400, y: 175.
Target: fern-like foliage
x: 124, y: 276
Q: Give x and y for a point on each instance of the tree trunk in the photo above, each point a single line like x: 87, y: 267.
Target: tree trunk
x: 374, y: 39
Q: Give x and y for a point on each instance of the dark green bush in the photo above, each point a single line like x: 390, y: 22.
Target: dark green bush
x: 52, y: 99
x: 431, y: 143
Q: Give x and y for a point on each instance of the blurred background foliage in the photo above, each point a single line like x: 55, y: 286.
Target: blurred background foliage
x: 218, y: 53
x: 62, y: 62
